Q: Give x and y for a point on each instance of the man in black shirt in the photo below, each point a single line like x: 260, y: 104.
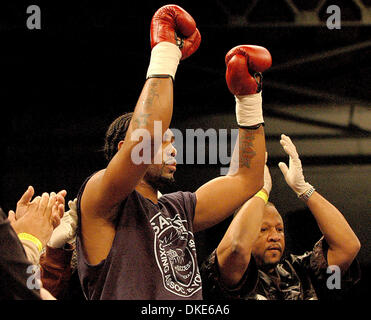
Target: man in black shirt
x: 247, y: 263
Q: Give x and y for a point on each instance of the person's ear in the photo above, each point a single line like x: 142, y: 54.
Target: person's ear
x: 120, y: 145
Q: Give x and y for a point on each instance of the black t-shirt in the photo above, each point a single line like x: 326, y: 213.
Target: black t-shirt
x: 153, y: 255
x: 299, y: 277
x: 16, y: 272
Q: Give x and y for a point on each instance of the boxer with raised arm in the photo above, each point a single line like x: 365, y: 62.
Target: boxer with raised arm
x: 132, y: 244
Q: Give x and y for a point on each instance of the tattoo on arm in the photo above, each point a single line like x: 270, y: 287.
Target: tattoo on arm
x: 246, y: 147
x: 141, y: 120
x: 152, y: 94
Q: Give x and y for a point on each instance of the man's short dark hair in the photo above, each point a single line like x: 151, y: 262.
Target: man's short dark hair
x: 115, y: 133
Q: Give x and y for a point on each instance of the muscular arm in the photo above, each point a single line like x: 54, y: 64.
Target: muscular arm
x: 343, y: 243
x: 155, y: 105
x: 234, y: 251
x: 220, y: 197
x: 121, y: 176
x: 108, y: 188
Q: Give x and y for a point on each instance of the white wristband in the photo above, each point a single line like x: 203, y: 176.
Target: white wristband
x: 249, y: 111
x: 165, y: 57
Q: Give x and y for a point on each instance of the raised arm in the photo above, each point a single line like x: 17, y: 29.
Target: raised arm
x: 154, y: 108
x: 220, y: 197
x: 234, y: 251
x: 343, y: 243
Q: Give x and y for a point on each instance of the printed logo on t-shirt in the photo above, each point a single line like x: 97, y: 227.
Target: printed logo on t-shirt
x: 175, y: 253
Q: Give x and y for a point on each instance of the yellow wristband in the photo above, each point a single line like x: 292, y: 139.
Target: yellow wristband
x: 261, y: 194
x: 30, y: 237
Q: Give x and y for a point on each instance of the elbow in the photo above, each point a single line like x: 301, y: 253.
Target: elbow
x: 352, y: 248
x: 356, y: 246
x: 240, y: 253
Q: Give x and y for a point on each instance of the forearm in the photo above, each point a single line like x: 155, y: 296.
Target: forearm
x: 248, y: 158
x: 152, y: 115
x: 343, y: 243
x: 143, y: 140
x: 155, y: 103
x: 32, y: 252
x: 234, y: 251
x: 220, y: 197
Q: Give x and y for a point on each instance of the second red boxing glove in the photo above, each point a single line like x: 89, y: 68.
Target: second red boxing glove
x: 244, y: 66
x: 244, y: 79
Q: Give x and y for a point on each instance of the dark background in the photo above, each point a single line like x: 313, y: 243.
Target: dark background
x: 61, y: 87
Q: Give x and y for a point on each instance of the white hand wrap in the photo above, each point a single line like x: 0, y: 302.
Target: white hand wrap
x: 249, y: 111
x: 165, y: 57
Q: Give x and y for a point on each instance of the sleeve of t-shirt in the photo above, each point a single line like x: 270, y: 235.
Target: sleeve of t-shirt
x: 15, y: 269
x: 190, y: 200
x: 182, y: 201
x: 213, y: 287
x: 315, y: 263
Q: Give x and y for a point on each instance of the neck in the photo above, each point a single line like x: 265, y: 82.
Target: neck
x: 147, y: 191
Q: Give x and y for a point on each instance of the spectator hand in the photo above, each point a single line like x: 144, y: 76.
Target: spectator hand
x: 66, y: 231
x: 38, y: 217
x: 24, y: 204
x: 294, y: 173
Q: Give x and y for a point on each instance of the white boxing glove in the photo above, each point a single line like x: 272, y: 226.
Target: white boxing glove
x: 66, y: 231
x: 294, y: 173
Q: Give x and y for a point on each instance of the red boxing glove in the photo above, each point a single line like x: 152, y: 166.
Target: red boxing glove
x: 244, y: 66
x: 173, y: 24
